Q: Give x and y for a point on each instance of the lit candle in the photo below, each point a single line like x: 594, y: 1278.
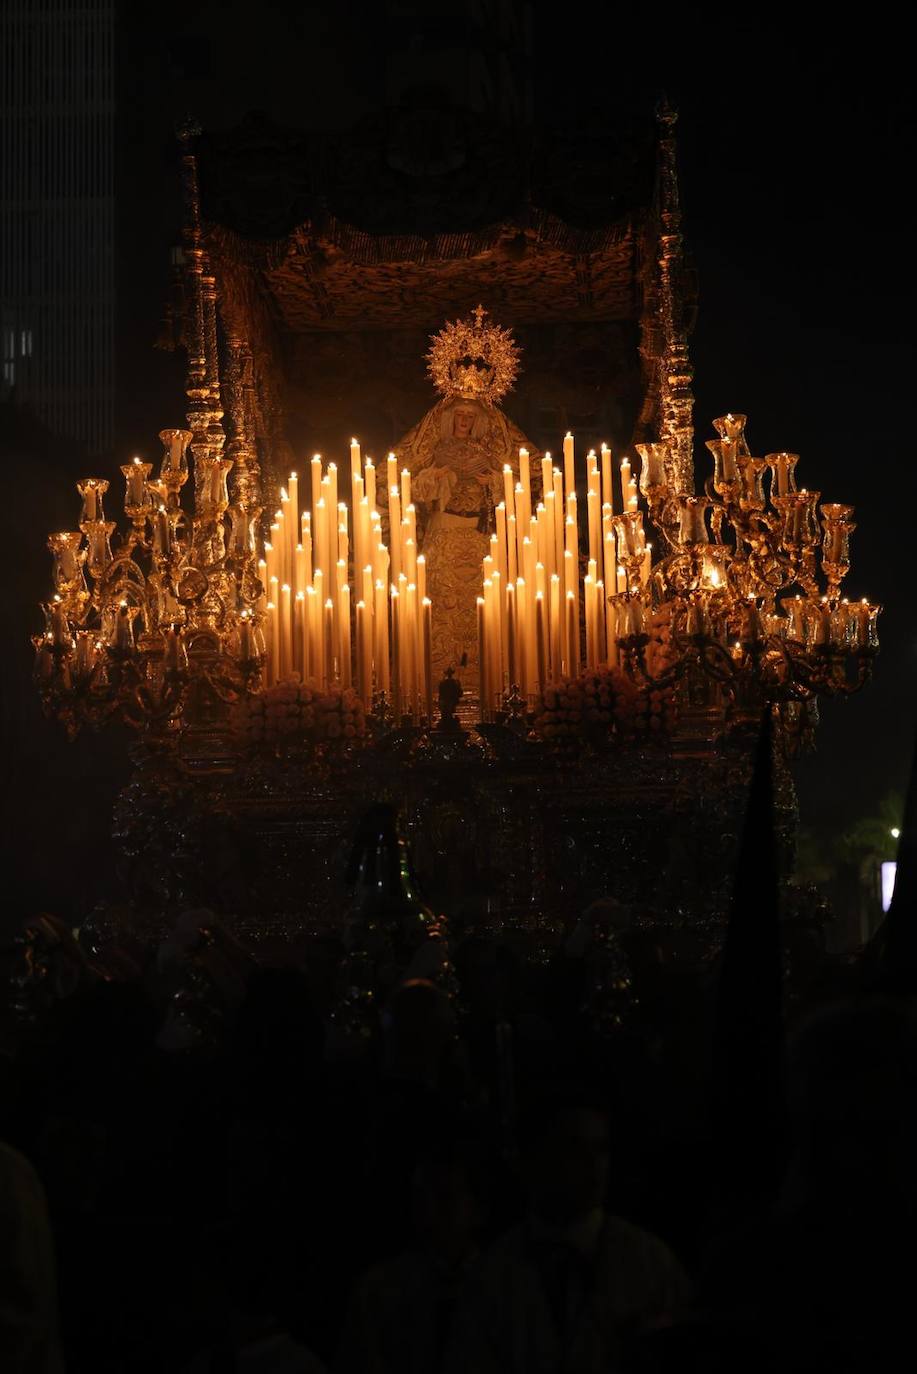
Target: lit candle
x: 522, y: 636
x: 414, y: 650
x: 595, y: 524
x: 92, y: 490
x: 359, y: 627
x: 611, y: 629
x: 498, y: 541
x: 648, y: 563
x: 547, y: 477
x: 482, y: 659
x: 523, y: 505
x: 307, y: 555
x: 610, y: 558
x: 292, y: 516
x: 540, y: 642
x: 512, y: 636
x: 528, y: 562
x: 86, y: 652
x: 569, y: 469
x: 527, y: 600
x: 391, y: 471
x: 280, y: 541
x: 550, y: 527
x: 508, y: 490
x: 366, y: 641
x: 538, y: 534
x: 135, y: 474
x: 328, y: 637
x: 301, y: 638
x: 344, y: 657
x: 421, y: 577
x: 525, y: 477
x: 315, y: 472
x: 162, y: 534
x: 498, y: 617
x: 557, y: 651
x: 316, y: 639
x: 395, y: 667
x: 426, y: 612
x: 271, y: 644
x: 286, y: 631
x: 60, y: 629
x: 625, y: 482
x: 370, y: 484
x: 560, y: 515
x: 405, y: 488
x: 332, y: 476
x: 356, y: 497
x: 572, y: 636
x: 362, y: 523
x: 589, y: 593
x: 356, y: 468
x: 381, y: 638
x: 300, y: 579
x: 394, y: 521
x: 320, y: 536
x: 607, y: 495
x: 410, y: 559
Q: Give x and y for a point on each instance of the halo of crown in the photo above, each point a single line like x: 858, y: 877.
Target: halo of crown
x: 472, y: 359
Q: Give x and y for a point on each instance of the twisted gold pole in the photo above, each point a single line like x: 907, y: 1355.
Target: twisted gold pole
x: 676, y: 399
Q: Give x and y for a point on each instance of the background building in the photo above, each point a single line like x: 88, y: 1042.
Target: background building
x: 57, y: 214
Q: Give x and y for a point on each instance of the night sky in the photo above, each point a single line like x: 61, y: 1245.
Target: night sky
x: 794, y: 163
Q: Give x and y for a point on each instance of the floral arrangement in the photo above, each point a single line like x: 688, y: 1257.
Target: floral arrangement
x: 601, y: 705
x: 294, y: 713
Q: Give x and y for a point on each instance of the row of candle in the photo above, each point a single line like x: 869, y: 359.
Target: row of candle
x: 533, y: 603
x: 340, y: 606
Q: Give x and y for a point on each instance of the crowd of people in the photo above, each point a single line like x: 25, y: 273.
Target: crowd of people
x: 485, y: 1175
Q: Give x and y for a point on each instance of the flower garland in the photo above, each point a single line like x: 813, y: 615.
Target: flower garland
x: 292, y: 713
x: 603, y: 704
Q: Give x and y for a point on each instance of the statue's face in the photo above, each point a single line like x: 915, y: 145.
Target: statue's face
x: 462, y: 422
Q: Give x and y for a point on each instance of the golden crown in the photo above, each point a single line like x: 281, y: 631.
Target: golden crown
x: 472, y: 359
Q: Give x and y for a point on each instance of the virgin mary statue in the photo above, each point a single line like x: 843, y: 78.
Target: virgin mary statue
x: 456, y: 456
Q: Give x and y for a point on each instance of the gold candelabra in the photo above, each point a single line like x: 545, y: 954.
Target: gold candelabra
x: 744, y: 607
x: 740, y: 579
x: 172, y: 607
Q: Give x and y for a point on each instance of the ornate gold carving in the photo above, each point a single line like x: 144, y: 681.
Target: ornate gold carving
x: 473, y: 359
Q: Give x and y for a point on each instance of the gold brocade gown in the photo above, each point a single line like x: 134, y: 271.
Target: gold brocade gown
x: 456, y: 482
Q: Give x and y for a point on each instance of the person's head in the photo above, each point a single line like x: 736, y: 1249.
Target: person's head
x: 853, y: 1101
x: 447, y: 1201
x: 565, y: 1144
x: 419, y: 1026
x: 462, y: 422
x: 276, y: 1030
